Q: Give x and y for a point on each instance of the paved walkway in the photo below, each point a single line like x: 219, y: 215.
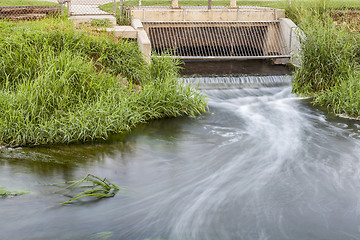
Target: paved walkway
x: 88, y: 7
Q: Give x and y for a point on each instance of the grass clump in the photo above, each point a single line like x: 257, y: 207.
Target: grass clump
x: 101, y: 23
x: 89, y: 187
x: 4, y: 193
x: 62, y: 85
x: 329, y: 69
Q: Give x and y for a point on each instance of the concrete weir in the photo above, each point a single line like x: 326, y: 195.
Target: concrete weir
x: 219, y: 33
x: 211, y: 34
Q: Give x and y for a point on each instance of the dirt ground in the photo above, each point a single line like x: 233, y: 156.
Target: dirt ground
x: 350, y: 18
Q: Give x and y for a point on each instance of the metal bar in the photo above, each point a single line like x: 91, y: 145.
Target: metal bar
x: 209, y: 40
x: 281, y: 40
x: 174, y: 39
x: 69, y: 7
x: 114, y: 8
x: 219, y: 22
x: 229, y: 57
x: 218, y: 40
x: 255, y: 32
x: 277, y: 42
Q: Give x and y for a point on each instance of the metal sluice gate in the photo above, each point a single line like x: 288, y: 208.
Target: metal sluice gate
x: 217, y: 40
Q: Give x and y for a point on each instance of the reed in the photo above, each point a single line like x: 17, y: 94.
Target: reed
x: 89, y: 187
x: 329, y: 69
x: 62, y: 85
x: 4, y: 193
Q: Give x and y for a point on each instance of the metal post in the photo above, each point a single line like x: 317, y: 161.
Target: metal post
x: 61, y: 5
x: 139, y: 3
x: 174, y: 4
x: 209, y: 4
x: 114, y: 8
x: 121, y: 9
x: 69, y: 7
x: 233, y: 4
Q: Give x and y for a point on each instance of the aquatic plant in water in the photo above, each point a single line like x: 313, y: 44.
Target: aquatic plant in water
x: 7, y: 193
x: 90, y: 186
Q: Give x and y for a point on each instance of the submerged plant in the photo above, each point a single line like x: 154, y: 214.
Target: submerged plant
x: 90, y: 186
x: 7, y: 193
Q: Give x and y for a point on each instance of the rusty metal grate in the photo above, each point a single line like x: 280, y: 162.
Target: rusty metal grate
x: 28, y: 12
x: 220, y: 40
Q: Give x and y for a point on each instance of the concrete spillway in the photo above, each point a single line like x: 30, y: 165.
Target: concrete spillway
x: 221, y: 33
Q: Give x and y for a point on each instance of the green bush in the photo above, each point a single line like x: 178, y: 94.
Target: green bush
x: 60, y: 85
x: 329, y: 65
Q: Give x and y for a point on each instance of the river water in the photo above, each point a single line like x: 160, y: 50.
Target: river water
x: 262, y: 164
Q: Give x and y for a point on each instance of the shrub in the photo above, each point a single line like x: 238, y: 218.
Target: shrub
x: 60, y: 85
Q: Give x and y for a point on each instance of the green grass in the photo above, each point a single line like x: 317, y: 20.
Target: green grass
x: 7, y: 193
x: 8, y: 3
x: 279, y: 4
x: 307, y: 4
x: 89, y: 187
x: 62, y: 85
x: 329, y: 69
x: 101, y: 23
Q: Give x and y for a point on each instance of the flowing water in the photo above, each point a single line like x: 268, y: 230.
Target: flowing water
x: 262, y: 164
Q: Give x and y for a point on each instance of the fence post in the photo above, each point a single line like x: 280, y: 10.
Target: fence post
x: 121, y: 9
x: 209, y: 4
x: 114, y: 8
x: 61, y: 6
x: 174, y: 4
x: 69, y: 7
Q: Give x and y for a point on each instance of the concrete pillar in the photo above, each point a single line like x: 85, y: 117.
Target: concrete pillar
x: 145, y: 45
x: 292, y: 35
x: 233, y: 4
x: 175, y: 4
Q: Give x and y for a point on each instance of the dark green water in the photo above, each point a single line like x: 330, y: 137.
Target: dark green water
x: 263, y: 164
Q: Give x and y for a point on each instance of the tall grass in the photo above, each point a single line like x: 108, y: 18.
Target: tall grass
x: 61, y: 85
x: 329, y: 69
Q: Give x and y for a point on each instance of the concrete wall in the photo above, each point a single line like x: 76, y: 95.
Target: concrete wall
x: 291, y: 34
x: 225, y: 14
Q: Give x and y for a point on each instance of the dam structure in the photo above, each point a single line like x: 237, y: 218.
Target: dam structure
x: 217, y: 33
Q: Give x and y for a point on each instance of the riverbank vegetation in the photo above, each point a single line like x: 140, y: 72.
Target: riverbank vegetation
x: 330, y: 70
x: 59, y: 84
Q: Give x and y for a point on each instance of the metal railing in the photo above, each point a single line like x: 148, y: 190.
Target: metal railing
x: 15, y: 10
x: 217, y: 40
